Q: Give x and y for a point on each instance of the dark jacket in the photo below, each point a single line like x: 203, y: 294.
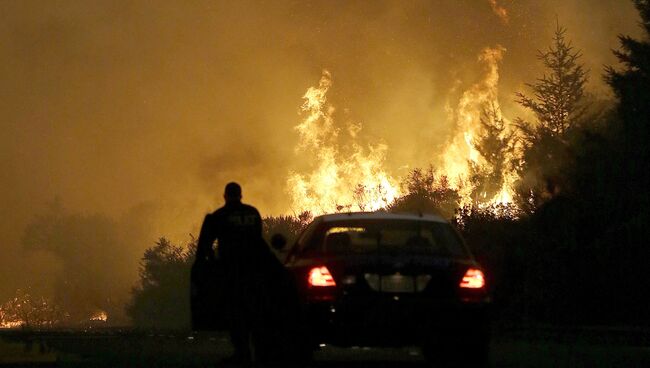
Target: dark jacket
x: 237, y: 227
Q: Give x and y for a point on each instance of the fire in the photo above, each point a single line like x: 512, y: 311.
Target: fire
x: 26, y: 310
x: 350, y: 177
x: 341, y: 177
x: 99, y: 316
x: 11, y: 324
x: 9, y: 319
x: 462, y: 153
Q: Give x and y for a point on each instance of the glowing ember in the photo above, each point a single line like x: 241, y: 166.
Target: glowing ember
x: 99, y: 316
x: 342, y: 178
x: 11, y: 324
x: 26, y: 310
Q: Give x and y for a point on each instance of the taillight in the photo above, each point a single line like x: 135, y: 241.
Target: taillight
x: 321, y: 276
x: 473, y: 279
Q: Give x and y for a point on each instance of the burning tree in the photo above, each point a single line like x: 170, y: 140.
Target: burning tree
x: 557, y: 105
x: 496, y: 146
x: 479, y: 122
x: 25, y: 310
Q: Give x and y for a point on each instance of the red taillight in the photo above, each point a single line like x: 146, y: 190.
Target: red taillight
x: 473, y: 279
x: 321, y: 276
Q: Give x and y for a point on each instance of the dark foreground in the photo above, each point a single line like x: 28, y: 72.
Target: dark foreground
x: 117, y: 348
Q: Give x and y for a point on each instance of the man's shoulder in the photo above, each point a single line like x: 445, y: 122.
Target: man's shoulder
x: 219, y: 212
x: 250, y: 208
x: 239, y: 207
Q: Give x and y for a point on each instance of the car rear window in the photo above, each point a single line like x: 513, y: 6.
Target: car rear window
x: 386, y: 236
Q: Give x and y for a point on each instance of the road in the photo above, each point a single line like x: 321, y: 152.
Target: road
x: 129, y: 349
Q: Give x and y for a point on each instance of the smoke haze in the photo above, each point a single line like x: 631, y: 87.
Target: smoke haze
x: 141, y: 112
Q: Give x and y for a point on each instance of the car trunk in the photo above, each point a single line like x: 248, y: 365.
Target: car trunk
x: 390, y: 274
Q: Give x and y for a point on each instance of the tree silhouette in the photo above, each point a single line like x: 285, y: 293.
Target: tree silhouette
x: 557, y: 95
x: 289, y: 226
x: 631, y: 86
x: 161, y: 298
x: 557, y: 105
x: 95, y: 259
x: 426, y: 193
x: 30, y: 311
x: 589, y: 243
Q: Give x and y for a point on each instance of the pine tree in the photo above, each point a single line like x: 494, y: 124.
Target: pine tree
x: 632, y: 84
x: 557, y: 106
x: 495, y: 145
x: 606, y: 210
x: 557, y: 95
x: 628, y: 153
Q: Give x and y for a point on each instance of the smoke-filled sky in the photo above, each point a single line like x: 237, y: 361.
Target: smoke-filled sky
x: 146, y: 109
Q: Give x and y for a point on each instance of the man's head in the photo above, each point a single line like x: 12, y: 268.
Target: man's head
x: 232, y: 192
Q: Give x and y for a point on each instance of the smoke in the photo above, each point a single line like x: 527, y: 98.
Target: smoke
x: 144, y: 111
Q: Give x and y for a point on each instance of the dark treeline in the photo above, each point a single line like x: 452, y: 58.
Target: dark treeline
x: 580, y: 253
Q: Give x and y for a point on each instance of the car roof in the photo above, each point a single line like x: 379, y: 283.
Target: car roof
x: 379, y: 216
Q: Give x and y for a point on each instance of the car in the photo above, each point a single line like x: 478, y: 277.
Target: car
x: 384, y: 279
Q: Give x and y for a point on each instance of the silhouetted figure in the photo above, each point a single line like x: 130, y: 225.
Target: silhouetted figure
x: 244, y: 288
x: 237, y: 228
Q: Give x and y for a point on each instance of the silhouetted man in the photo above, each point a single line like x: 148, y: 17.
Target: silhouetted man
x: 237, y: 227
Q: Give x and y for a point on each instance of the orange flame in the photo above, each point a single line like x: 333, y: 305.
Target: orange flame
x: 351, y: 177
x: 99, y: 316
x: 341, y: 178
x: 11, y: 324
x: 461, y: 152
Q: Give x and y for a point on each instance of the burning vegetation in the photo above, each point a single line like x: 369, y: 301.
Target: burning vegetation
x: 24, y: 310
x: 342, y: 177
x: 99, y: 316
x: 351, y: 177
x: 491, y: 162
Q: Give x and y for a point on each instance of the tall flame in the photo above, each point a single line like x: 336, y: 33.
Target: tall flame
x: 347, y: 177
x: 342, y: 177
x: 461, y: 152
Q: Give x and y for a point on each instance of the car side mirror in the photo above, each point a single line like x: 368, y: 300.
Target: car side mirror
x: 278, y: 241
